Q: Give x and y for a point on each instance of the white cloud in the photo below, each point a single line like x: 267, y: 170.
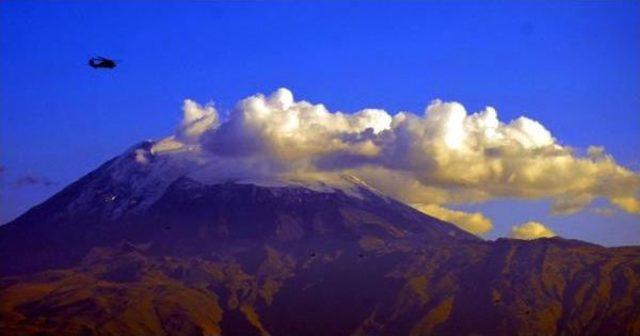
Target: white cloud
x: 196, y: 120
x: 446, y: 155
x: 531, y: 230
x: 475, y: 223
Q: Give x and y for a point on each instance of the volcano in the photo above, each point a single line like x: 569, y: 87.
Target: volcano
x: 149, y: 245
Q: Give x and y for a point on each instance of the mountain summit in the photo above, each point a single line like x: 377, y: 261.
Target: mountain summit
x: 152, y: 243
x: 163, y: 200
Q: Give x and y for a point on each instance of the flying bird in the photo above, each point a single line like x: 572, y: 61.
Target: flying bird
x: 101, y: 63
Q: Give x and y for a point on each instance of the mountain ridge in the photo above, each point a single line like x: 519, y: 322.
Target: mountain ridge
x: 123, y: 251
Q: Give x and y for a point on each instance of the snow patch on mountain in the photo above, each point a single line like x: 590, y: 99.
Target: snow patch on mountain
x: 135, y: 180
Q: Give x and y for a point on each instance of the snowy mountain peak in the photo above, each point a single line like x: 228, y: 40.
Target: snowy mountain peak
x: 133, y: 181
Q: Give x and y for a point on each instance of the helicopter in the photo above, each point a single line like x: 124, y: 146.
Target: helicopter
x: 101, y: 63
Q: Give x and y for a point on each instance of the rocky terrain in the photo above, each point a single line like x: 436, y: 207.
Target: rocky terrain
x: 149, y: 250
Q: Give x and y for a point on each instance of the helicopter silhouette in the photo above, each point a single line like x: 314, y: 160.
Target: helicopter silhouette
x: 101, y: 63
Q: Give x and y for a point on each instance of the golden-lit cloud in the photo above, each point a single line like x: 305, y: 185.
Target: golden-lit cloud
x: 444, y: 155
x: 475, y: 223
x: 628, y: 204
x: 531, y: 230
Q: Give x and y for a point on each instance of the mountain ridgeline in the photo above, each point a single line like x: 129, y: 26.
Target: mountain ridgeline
x: 148, y: 249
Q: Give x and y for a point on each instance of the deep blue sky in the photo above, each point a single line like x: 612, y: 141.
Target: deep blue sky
x: 573, y: 66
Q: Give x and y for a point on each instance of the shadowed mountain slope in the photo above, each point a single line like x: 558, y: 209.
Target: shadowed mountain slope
x: 150, y: 250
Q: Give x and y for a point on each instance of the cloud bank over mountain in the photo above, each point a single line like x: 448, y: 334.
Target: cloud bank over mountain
x: 444, y: 155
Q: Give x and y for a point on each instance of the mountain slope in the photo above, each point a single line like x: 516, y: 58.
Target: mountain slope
x: 160, y: 202
x: 152, y: 249
x: 544, y: 287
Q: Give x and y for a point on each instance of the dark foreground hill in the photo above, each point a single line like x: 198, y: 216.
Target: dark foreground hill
x: 126, y: 251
